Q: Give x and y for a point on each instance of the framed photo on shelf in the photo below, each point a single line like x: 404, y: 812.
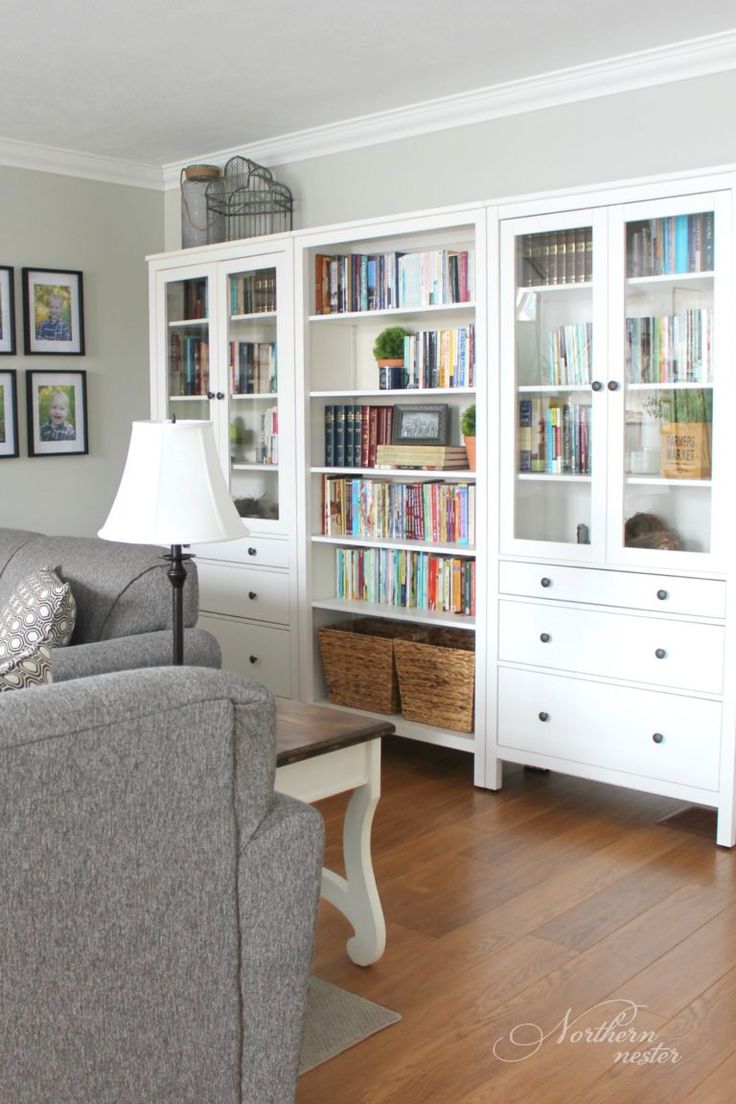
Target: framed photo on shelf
x: 57, y: 413
x: 420, y: 424
x: 7, y: 311
x: 8, y: 413
x: 53, y: 312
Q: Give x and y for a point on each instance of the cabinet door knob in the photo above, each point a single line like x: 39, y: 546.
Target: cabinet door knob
x: 612, y: 385
x: 546, y: 582
x: 252, y: 551
x: 210, y: 394
x: 544, y: 637
x: 597, y: 385
x: 252, y: 594
x: 253, y: 659
x: 662, y: 595
x: 660, y: 653
x: 220, y: 395
x: 658, y: 738
x: 544, y: 716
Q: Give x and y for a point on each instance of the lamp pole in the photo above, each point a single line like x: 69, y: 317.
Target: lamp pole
x: 177, y: 574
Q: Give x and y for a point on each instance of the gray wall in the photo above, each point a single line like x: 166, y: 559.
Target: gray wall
x: 666, y: 128
x: 104, y: 230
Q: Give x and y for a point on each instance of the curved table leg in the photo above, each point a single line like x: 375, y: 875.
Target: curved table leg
x: 356, y: 896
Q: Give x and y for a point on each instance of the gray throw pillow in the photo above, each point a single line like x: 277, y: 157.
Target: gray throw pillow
x: 40, y: 610
x: 31, y: 668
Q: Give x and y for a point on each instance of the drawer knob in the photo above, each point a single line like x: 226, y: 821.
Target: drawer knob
x: 662, y: 595
x: 252, y: 551
x: 658, y: 738
x: 545, y: 638
x: 544, y: 716
x: 597, y: 385
x: 253, y: 659
x: 546, y: 582
x: 612, y: 385
x: 252, y: 594
x: 660, y: 653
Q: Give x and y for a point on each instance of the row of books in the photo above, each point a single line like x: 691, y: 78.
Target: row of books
x: 406, y: 579
x: 569, y: 354
x: 267, y: 448
x: 253, y: 367
x: 554, y: 437
x: 680, y: 243
x: 556, y: 257
x: 670, y: 348
x: 353, y: 434
x: 440, y: 358
x: 253, y: 292
x: 195, y: 298
x: 439, y: 457
x: 347, y: 282
x: 382, y: 509
x: 188, y: 364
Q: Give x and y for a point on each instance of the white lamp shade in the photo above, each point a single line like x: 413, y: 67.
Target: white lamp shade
x: 173, y: 490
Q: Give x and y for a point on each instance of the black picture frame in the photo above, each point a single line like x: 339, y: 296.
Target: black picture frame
x: 7, y: 311
x: 8, y: 414
x: 53, y: 431
x: 420, y: 424
x: 53, y: 312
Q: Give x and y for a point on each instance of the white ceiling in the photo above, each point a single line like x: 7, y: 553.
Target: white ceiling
x: 164, y: 81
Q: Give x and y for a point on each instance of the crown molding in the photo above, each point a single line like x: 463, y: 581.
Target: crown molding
x: 49, y: 159
x: 677, y: 62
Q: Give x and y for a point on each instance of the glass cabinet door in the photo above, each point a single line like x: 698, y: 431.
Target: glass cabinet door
x: 253, y: 392
x: 668, y: 375
x: 555, y: 349
x: 188, y: 347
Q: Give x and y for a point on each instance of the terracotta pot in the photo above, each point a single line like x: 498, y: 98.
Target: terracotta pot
x: 470, y: 449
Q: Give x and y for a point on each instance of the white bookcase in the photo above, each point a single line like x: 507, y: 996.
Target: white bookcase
x: 335, y: 349
x: 222, y: 349
x: 615, y: 536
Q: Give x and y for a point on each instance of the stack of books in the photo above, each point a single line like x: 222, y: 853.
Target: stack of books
x: 441, y: 457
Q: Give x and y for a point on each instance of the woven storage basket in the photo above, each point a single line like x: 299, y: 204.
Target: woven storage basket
x: 358, y: 662
x: 437, y: 678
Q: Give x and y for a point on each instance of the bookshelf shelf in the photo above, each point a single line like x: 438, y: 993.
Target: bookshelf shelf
x: 670, y: 278
x: 464, y: 550
x: 255, y: 316
x: 188, y: 323
x: 404, y: 393
x: 551, y: 477
x: 396, y: 613
x: 253, y: 467
x: 411, y: 474
x: 554, y: 289
x: 392, y: 312
x: 659, y: 481
x: 551, y: 388
x: 255, y: 396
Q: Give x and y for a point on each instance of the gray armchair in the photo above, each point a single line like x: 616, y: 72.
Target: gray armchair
x: 123, y: 598
x: 157, y: 899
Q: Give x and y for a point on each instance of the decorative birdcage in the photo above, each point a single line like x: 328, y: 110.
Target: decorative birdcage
x: 246, y: 202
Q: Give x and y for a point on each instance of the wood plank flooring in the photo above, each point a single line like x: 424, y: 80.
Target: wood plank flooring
x: 554, y: 902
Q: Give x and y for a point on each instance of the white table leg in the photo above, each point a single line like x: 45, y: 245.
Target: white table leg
x: 356, y: 896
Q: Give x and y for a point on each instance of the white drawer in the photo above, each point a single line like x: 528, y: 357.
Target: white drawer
x: 627, y: 589
x: 260, y: 595
x: 610, y: 727
x: 257, y: 652
x: 251, y: 550
x: 613, y: 645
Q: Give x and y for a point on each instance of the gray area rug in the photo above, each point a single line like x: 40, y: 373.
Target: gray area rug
x: 337, y: 1020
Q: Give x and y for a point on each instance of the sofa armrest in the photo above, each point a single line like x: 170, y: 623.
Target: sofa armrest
x: 277, y: 916
x: 125, y: 653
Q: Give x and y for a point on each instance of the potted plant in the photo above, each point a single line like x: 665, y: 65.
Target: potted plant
x: 389, y: 353
x: 467, y: 428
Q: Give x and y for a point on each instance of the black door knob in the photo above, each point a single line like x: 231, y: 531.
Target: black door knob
x: 662, y: 595
x: 252, y: 551
x: 252, y: 594
x: 660, y: 653
x: 612, y: 385
x: 596, y: 385
x: 658, y: 738
x: 253, y: 659
x: 210, y: 394
x: 220, y: 395
x: 544, y: 716
x: 544, y: 637
x: 546, y: 582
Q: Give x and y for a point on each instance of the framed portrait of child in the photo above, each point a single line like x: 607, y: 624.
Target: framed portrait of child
x: 53, y: 312
x: 57, y: 413
x: 8, y: 413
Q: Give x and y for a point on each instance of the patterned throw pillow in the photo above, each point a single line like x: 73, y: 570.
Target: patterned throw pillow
x: 31, y: 668
x: 40, y: 610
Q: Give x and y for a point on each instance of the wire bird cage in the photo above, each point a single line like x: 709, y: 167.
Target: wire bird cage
x: 246, y: 202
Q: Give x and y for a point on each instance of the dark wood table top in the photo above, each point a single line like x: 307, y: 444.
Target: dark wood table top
x: 303, y: 731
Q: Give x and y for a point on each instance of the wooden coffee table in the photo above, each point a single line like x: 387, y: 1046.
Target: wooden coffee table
x: 322, y: 752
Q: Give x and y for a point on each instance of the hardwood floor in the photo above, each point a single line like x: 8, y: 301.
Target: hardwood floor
x: 512, y: 908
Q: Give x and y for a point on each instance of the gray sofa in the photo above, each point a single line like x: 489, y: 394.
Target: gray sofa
x: 157, y: 900
x: 123, y: 597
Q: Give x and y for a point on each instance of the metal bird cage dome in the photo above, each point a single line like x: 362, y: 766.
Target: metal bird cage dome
x: 246, y: 202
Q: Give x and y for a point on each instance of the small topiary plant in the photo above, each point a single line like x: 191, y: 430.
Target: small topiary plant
x: 467, y: 421
x: 390, y: 343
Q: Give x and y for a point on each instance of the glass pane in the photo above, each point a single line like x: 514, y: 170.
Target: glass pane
x: 253, y: 390
x: 188, y: 329
x: 669, y: 383
x: 554, y: 359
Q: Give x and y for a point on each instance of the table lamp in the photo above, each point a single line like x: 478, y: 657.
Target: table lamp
x: 173, y: 492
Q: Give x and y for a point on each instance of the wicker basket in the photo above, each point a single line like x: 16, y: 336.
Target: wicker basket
x: 358, y: 662
x: 437, y: 678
